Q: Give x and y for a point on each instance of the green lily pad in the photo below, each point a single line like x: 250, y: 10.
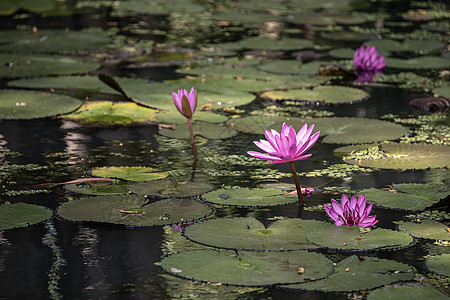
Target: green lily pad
x: 286, y: 44
x: 9, y: 7
x: 423, y: 62
x: 250, y: 20
x: 349, y: 239
x: 129, y: 173
x: 439, y: 264
x: 343, y: 53
x: 442, y: 91
x: 335, y: 130
x: 170, y: 188
x: 406, y: 292
x: 399, y: 200
x: 433, y: 192
x: 356, y: 273
x: 321, y: 94
x: 247, y: 268
x: 293, y: 67
x: 98, y: 188
x: 321, y: 5
x: 206, y: 130
x: 245, y: 197
x: 250, y: 234
x: 402, y: 156
x: 130, y: 210
x: 426, y: 229
x: 416, y: 46
x: 22, y: 215
x: 14, y: 65
x: 53, y: 40
x: 350, y: 36
x: 112, y: 113
x: 16, y: 104
x: 159, y: 7
x: 311, y: 19
x: 174, y: 117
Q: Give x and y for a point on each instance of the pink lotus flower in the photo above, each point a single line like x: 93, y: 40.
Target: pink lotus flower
x: 286, y: 146
x: 185, y: 102
x: 368, y: 60
x: 351, y: 213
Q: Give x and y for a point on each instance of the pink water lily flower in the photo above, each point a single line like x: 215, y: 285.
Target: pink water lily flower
x: 368, y: 60
x: 185, y: 102
x: 287, y: 146
x: 351, y: 212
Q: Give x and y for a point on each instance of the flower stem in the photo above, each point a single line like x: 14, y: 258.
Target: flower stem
x: 191, y: 131
x: 297, y: 184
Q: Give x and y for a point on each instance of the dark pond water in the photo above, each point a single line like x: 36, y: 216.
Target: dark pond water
x: 59, y: 259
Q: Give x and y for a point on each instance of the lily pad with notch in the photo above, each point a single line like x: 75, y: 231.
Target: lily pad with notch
x: 22, y: 215
x: 206, y: 130
x: 439, y: 264
x: 426, y: 229
x: 250, y: 234
x: 170, y: 188
x: 130, y: 173
x: 247, y: 268
x: 98, y: 188
x: 19, y: 104
x: 246, y: 197
x: 319, y: 95
x: 406, y: 292
x: 132, y: 210
x: 356, y: 273
x: 350, y: 239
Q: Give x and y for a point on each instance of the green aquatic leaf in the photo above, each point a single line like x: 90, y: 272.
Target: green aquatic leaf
x: 292, y: 67
x: 423, y: 62
x: 250, y: 234
x: 22, y: 215
x: 170, y: 188
x: 434, y: 192
x: 129, y: 173
x: 247, y: 268
x: 285, y: 44
x: 406, y: 292
x: 174, y: 117
x: 356, y: 273
x: 350, y: 36
x: 416, y: 46
x: 158, y: 7
x: 18, y: 104
x: 439, y: 264
x: 98, y: 188
x: 426, y: 229
x: 442, y: 91
x: 133, y: 211
x: 206, y: 130
x: 319, y: 95
x: 245, y: 197
x: 349, y: 239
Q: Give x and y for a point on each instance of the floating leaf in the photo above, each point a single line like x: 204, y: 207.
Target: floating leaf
x: 416, y: 46
x: 406, y: 292
x: 130, y: 210
x: 209, y: 131
x: 245, y: 197
x: 347, y: 36
x: 129, y: 173
x: 426, y: 229
x: 170, y: 188
x: 286, y: 44
x: 439, y: 264
x: 321, y: 94
x: 423, y: 62
x: 174, y: 117
x: 349, y: 239
x: 292, y: 67
x: 248, y: 268
x: 22, y: 215
x: 98, y: 188
x: 159, y: 7
x: 335, y: 130
x: 402, y: 201
x: 250, y: 234
x: 443, y: 91
x: 357, y: 273
x: 112, y: 113
x: 434, y: 192
x: 16, y: 104
x: 402, y: 156
x: 311, y: 19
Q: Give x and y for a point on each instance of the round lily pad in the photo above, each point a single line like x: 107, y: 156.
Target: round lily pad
x: 17, y: 104
x: 427, y: 229
x: 250, y: 234
x: 439, y: 264
x: 170, y: 188
x: 285, y: 44
x: 406, y: 292
x: 98, y: 188
x: 349, y: 239
x: 245, y: 197
x: 398, y: 200
x: 433, y: 192
x: 443, y: 91
x: 129, y: 173
x: 112, y: 113
x: 357, y: 273
x: 321, y: 94
x: 417, y: 46
x: 206, y: 130
x: 174, y: 117
x: 159, y: 7
x: 350, y: 36
x: 130, y: 210
x: 247, y: 268
x: 14, y: 65
x: 402, y: 156
x: 22, y: 215
x: 311, y: 19
x: 291, y: 67
x: 335, y: 130
x: 423, y: 62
